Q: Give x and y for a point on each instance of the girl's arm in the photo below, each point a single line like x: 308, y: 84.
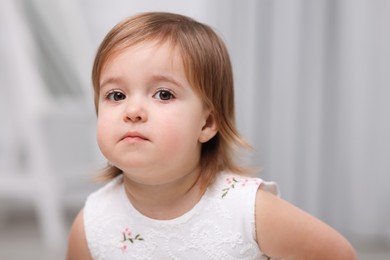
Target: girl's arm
x: 286, y: 232
x: 77, y: 243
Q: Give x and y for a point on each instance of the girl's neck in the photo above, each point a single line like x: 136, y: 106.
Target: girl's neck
x: 167, y: 201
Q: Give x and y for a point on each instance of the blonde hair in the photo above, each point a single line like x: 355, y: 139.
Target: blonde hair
x: 208, y: 69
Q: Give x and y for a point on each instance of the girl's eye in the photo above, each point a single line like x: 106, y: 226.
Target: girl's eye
x: 164, y: 95
x: 115, y: 96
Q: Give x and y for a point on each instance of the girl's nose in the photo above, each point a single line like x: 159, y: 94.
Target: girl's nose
x: 135, y: 111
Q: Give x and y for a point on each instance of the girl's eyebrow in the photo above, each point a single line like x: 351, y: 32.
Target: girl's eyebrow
x: 155, y: 78
x: 166, y: 78
x: 111, y: 80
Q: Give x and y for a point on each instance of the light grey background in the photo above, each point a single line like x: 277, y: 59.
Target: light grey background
x: 312, y: 96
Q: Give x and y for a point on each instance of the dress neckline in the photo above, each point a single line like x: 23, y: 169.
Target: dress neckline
x: 195, y: 210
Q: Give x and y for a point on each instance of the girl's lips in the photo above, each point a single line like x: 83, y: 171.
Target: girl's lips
x: 134, y: 137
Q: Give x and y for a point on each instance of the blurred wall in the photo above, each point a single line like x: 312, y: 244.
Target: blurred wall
x: 312, y: 96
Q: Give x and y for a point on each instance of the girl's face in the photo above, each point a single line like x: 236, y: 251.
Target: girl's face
x: 151, y: 123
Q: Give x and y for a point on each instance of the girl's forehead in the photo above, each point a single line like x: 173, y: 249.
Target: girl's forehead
x: 152, y: 57
x: 173, y: 52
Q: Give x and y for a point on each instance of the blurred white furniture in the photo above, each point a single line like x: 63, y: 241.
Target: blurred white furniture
x: 38, y: 111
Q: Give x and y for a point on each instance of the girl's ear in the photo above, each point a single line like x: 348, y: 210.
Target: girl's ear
x: 209, y: 130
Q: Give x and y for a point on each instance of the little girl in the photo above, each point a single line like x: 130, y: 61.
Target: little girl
x: 165, y: 122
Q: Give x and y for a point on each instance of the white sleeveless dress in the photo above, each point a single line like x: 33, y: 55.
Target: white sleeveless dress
x: 220, y: 226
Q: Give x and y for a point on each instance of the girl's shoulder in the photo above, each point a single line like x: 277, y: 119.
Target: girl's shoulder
x: 103, y: 198
x: 283, y: 230
x: 111, y: 186
x: 77, y: 242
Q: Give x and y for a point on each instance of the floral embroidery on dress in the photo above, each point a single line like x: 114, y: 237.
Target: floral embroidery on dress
x: 127, y: 237
x: 234, y: 181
